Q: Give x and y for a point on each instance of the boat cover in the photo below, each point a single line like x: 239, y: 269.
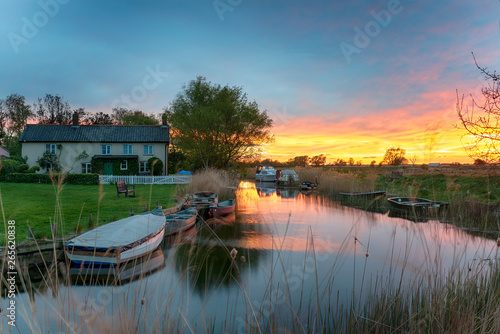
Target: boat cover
x: 121, y: 233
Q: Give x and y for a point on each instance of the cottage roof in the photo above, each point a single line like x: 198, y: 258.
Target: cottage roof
x: 95, y: 133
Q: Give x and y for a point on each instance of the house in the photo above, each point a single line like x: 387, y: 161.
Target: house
x: 4, y: 154
x: 103, y: 149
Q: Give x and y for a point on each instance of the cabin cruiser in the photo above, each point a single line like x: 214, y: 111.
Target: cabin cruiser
x: 265, y: 173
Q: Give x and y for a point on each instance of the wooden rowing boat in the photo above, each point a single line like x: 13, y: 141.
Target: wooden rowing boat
x: 222, y: 208
x: 119, y: 241
x: 180, y: 221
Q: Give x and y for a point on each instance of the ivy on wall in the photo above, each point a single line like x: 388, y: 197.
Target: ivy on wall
x: 132, y: 165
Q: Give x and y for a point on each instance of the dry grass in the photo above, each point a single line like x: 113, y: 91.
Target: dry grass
x: 332, y: 182
x: 219, y: 181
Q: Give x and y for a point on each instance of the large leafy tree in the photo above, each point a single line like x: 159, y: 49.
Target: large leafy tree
x: 481, y: 120
x: 216, y: 126
x: 394, y: 156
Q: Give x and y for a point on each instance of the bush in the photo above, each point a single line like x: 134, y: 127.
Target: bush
x: 155, y: 165
x: 45, y: 178
x: 33, y: 169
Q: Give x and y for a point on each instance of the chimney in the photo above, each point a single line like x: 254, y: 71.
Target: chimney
x: 76, y: 122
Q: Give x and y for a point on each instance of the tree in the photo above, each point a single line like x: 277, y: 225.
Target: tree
x: 52, y: 110
x: 98, y: 118
x: 318, y: 160
x: 351, y: 161
x: 394, y: 156
x: 126, y: 116
x: 372, y: 164
x: 16, y: 114
x: 215, y: 125
x: 413, y: 158
x: 299, y: 161
x: 481, y: 120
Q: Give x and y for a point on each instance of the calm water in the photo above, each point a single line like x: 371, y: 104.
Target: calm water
x: 295, y: 252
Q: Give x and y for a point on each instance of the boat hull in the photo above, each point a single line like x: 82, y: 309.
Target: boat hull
x: 113, y: 257
x: 223, y: 208
x: 180, y: 221
x: 119, y: 241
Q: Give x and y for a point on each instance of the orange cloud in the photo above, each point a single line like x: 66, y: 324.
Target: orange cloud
x: 426, y: 129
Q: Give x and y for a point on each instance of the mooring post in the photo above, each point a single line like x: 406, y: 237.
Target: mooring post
x: 53, y: 229
x: 157, y: 204
x: 31, y: 232
x: 144, y: 207
x: 131, y: 210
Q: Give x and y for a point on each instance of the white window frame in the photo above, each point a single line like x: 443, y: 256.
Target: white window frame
x: 123, y: 165
x: 128, y: 149
x: 148, y: 150
x: 143, y: 167
x: 105, y: 149
x: 86, y: 168
x: 51, y: 148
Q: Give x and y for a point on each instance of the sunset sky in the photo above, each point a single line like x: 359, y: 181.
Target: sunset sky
x: 341, y: 78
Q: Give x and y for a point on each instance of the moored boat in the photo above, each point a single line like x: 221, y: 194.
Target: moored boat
x: 308, y: 186
x: 222, y: 208
x: 204, y: 198
x: 119, y: 241
x: 265, y: 173
x: 180, y: 221
x: 287, y: 177
x: 367, y: 195
x: 415, y: 204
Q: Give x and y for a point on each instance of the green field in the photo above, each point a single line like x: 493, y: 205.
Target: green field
x: 38, y: 205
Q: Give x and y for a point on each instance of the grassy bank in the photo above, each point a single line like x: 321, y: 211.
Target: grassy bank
x: 473, y: 192
x: 39, y: 205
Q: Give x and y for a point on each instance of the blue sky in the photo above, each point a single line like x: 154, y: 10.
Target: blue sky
x: 397, y: 88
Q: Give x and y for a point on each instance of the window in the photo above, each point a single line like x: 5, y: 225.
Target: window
x: 86, y: 168
x: 48, y: 167
x: 50, y: 148
x: 148, y: 149
x: 106, y: 149
x: 143, y: 167
x: 123, y: 165
x: 127, y: 149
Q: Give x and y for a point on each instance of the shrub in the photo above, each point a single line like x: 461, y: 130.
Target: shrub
x: 45, y: 178
x: 155, y: 165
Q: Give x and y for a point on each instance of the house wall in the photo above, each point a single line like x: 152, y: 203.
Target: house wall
x: 70, y: 151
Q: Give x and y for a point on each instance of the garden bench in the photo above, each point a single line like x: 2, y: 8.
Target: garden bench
x: 122, y: 188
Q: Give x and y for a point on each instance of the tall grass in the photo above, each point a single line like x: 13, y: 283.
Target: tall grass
x: 219, y: 181
x: 331, y: 181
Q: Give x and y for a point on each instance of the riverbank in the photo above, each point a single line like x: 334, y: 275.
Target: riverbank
x: 472, y: 191
x: 73, y: 208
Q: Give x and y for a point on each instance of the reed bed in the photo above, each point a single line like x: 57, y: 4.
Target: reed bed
x: 219, y: 181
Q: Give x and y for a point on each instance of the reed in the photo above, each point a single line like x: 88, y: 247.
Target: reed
x: 219, y: 181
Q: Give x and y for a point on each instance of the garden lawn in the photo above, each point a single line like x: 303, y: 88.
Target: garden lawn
x: 38, y: 205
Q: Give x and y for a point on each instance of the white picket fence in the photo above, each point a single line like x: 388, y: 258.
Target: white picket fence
x: 145, y: 179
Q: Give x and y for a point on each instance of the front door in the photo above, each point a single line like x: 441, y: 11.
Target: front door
x: 108, y: 168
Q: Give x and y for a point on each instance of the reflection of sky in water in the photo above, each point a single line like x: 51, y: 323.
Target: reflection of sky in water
x: 293, y: 246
